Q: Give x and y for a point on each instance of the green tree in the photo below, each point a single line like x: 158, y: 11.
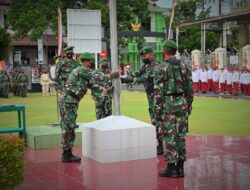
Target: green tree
x: 127, y: 11
x: 190, y: 36
x: 5, y: 43
x: 30, y: 18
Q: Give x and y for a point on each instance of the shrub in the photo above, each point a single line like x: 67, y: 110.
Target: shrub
x: 11, y: 161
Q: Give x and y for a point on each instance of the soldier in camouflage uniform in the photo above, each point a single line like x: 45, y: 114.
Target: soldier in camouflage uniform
x: 22, y: 84
x: 64, y: 68
x: 173, y: 96
x: 146, y: 76
x: 103, y: 104
x: 80, y: 79
x: 14, y: 82
x: 4, y: 84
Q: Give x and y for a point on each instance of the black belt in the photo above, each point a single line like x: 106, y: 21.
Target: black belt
x: 73, y: 95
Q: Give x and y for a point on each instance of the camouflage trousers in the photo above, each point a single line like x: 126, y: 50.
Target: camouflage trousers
x: 4, y: 90
x: 68, y: 113
x: 103, y: 107
x: 173, y: 133
x: 152, y: 117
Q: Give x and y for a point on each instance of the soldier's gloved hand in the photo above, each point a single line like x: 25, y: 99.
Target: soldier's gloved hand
x: 110, y: 89
x: 114, y: 75
x: 137, y: 74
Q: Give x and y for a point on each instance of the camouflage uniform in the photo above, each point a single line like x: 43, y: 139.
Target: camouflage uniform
x: 4, y: 84
x: 63, y: 69
x: 14, y: 82
x: 146, y: 76
x: 103, y: 103
x: 22, y: 84
x: 172, y: 100
x: 77, y: 84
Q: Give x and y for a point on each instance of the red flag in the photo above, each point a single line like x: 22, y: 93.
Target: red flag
x: 59, y: 34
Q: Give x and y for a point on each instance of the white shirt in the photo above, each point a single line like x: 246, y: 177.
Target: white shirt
x: 222, y: 77
x: 225, y: 73
x: 245, y: 78
x: 241, y: 77
x: 199, y: 73
x: 195, y: 76
x: 236, y: 76
x: 229, y: 78
x: 209, y: 74
x: 216, y: 76
x: 203, y: 76
x: 248, y: 78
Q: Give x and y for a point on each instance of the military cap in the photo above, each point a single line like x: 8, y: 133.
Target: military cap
x: 102, y: 60
x: 68, y: 48
x: 86, y: 56
x: 146, y: 49
x: 169, y: 43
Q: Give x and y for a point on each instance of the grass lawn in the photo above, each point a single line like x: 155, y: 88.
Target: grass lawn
x: 210, y: 116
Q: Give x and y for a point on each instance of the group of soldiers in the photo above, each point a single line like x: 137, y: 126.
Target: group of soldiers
x: 73, y: 79
x: 228, y: 80
x: 169, y: 93
x: 168, y: 86
x: 17, y: 83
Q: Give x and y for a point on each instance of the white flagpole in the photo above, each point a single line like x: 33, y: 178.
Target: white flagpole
x: 171, y: 19
x: 59, y: 35
x: 114, y: 54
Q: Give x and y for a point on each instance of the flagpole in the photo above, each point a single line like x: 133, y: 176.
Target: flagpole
x: 59, y: 32
x: 171, y: 19
x: 114, y: 54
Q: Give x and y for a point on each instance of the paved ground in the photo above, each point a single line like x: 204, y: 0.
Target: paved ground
x: 214, y: 163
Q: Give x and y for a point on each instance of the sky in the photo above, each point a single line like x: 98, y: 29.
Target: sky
x: 165, y: 3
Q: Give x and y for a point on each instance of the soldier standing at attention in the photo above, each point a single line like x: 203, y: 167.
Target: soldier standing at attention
x: 22, y: 84
x: 146, y: 76
x: 4, y: 84
x: 173, y: 96
x: 103, y: 103
x: 80, y: 79
x: 64, y: 68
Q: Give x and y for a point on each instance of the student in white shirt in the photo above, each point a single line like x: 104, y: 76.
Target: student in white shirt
x: 215, y: 78
x: 230, y: 81
x: 236, y: 77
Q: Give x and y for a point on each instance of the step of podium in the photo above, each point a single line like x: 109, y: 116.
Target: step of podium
x: 47, y: 136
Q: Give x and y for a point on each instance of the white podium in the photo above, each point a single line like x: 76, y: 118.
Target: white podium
x: 118, y: 138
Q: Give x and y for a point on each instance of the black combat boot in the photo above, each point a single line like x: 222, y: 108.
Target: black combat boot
x: 159, y: 149
x: 67, y: 156
x: 159, y: 146
x: 180, y: 168
x: 170, y: 171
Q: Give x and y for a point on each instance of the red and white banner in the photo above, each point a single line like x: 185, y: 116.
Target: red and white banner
x: 59, y: 34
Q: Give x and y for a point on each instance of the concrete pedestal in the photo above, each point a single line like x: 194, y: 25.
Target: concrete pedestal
x: 118, y: 138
